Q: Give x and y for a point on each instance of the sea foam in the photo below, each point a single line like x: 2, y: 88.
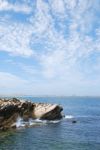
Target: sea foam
x: 69, y: 117
x: 20, y: 123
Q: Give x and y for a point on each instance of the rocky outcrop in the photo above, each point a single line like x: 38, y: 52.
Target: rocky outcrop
x: 11, y: 109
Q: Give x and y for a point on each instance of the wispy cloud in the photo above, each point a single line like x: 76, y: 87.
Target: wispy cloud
x: 11, y: 81
x: 17, y: 7
x: 15, y: 38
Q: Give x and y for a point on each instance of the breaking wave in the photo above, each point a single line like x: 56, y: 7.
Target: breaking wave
x: 20, y: 123
x: 69, y: 117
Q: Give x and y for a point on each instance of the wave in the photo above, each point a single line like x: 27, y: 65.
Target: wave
x: 69, y: 117
x: 81, y: 116
x: 20, y: 123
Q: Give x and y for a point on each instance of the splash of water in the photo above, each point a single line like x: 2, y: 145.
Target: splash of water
x: 19, y: 122
x: 31, y: 122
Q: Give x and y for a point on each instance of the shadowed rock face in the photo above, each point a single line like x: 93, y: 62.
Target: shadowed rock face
x: 11, y: 109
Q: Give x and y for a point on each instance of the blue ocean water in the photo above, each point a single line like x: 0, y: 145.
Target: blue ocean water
x: 64, y: 135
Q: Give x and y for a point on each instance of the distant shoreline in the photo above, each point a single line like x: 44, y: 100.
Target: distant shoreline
x: 51, y: 96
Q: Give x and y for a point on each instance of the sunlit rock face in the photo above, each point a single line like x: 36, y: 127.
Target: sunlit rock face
x: 11, y: 109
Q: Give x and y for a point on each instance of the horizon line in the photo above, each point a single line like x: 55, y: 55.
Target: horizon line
x: 30, y: 95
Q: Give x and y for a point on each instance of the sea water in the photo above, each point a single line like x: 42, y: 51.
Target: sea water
x: 59, y: 135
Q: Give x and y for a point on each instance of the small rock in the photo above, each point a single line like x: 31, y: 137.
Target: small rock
x: 74, y: 121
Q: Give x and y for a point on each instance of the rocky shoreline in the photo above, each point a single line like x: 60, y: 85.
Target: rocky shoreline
x: 11, y: 109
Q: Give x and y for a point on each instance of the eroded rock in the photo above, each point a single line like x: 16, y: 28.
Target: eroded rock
x: 11, y: 109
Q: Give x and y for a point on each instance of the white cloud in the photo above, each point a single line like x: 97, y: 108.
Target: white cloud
x: 17, y: 7
x: 15, y: 39
x: 70, y: 4
x: 42, y: 20
x: 11, y: 81
x: 53, y: 64
x: 58, y: 8
x: 42, y: 25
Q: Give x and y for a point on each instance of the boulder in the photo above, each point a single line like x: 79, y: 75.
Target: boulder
x: 47, y: 111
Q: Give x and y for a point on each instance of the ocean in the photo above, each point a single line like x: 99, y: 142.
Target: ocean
x: 60, y: 135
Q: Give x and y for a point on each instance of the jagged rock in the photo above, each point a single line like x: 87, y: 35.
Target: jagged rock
x: 11, y: 109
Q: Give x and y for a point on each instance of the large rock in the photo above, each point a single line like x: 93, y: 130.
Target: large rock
x: 47, y: 111
x: 11, y: 109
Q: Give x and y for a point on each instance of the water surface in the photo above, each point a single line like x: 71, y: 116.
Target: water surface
x: 83, y: 135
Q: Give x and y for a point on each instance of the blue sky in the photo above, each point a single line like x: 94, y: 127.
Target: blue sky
x: 50, y: 47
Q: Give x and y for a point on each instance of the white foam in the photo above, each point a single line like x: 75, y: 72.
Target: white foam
x: 37, y: 121
x: 19, y: 122
x: 54, y: 121
x: 69, y: 117
x: 31, y: 122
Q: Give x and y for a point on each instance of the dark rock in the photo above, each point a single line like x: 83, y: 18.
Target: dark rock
x: 74, y: 121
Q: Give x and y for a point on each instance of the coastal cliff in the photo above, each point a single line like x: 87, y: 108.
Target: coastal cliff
x: 11, y: 109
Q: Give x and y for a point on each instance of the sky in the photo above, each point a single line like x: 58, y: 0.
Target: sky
x: 50, y: 47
